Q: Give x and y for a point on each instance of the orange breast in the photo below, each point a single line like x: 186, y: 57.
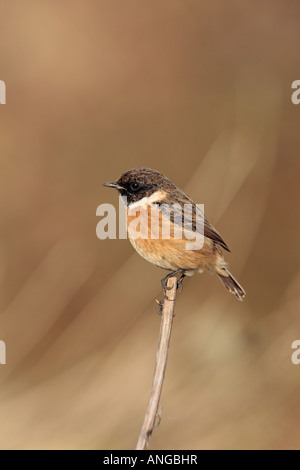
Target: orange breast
x: 144, y: 227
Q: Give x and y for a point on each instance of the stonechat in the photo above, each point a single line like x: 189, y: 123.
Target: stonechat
x: 149, y: 195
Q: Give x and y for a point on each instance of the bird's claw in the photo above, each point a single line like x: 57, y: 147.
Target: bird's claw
x: 180, y: 283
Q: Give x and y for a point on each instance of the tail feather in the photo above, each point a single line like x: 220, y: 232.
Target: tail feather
x: 231, y: 284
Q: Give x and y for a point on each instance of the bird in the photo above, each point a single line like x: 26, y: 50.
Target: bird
x: 149, y: 195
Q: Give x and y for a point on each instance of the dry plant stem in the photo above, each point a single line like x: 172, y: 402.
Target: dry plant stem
x: 160, y: 366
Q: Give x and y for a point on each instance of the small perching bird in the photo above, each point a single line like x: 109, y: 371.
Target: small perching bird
x: 149, y: 195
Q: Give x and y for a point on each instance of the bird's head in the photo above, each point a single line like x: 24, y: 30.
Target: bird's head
x: 140, y: 183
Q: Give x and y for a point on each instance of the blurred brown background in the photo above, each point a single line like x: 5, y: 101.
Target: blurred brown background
x: 201, y: 91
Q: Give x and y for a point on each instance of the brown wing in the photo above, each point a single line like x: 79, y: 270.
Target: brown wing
x: 209, y: 230
x: 180, y: 198
x: 211, y: 233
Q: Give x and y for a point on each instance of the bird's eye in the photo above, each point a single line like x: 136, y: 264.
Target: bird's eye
x: 134, y: 186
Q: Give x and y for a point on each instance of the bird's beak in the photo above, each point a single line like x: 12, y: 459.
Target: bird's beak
x: 112, y: 185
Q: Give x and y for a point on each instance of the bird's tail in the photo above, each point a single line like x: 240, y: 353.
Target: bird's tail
x: 231, y: 284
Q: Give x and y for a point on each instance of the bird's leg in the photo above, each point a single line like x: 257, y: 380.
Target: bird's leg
x: 165, y: 280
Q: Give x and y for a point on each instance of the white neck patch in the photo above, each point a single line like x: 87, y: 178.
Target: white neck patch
x: 155, y: 197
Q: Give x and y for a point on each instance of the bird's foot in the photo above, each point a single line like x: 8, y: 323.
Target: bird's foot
x: 164, y: 281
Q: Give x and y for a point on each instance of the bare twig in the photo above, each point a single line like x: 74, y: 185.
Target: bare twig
x: 160, y: 366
